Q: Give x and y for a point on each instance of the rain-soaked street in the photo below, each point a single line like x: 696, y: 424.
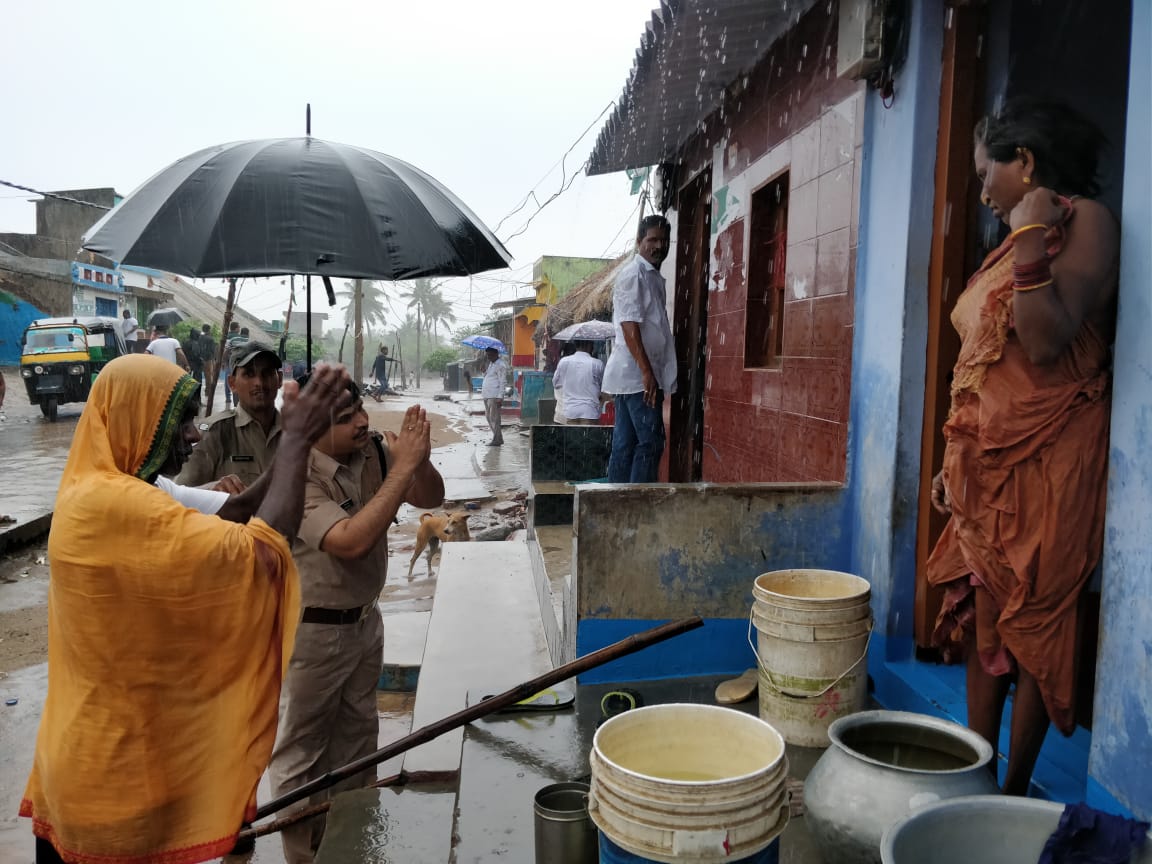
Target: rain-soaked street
x: 32, y: 455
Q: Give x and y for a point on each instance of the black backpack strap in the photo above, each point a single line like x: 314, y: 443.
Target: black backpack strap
x: 383, y: 465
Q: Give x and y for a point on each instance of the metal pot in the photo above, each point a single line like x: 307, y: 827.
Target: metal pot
x: 881, y: 766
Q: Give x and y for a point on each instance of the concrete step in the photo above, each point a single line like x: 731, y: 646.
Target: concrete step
x: 404, y: 637
x: 485, y: 633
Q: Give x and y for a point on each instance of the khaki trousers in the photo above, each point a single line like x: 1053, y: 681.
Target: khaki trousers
x: 328, y: 718
x: 492, y: 413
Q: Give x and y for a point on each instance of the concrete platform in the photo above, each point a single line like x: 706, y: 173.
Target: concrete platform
x: 485, y: 633
x: 384, y: 826
x: 456, y: 464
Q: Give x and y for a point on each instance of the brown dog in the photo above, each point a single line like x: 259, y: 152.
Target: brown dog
x: 435, y: 530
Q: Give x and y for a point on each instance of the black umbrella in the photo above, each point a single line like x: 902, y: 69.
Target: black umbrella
x: 296, y: 205
x: 168, y: 316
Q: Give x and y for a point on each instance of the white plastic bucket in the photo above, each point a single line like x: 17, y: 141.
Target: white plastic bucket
x: 688, y: 783
x: 812, y: 634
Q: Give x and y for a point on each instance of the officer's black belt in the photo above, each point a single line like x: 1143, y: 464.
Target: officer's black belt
x: 316, y: 615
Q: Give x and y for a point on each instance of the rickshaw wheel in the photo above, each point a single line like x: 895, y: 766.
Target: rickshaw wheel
x: 48, y: 407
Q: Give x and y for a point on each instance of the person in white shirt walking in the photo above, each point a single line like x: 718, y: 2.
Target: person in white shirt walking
x: 167, y: 347
x: 128, y: 328
x: 581, y: 376
x: 642, y: 367
x: 492, y: 392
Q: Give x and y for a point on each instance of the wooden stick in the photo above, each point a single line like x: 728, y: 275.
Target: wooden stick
x: 481, y: 709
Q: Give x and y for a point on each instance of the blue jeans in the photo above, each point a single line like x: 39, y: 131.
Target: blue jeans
x: 637, y: 439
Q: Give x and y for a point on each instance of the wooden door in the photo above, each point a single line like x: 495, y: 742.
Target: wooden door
x: 690, y: 329
x: 953, y: 218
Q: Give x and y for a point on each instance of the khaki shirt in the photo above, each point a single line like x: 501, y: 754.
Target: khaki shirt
x: 231, y: 442
x: 335, y: 492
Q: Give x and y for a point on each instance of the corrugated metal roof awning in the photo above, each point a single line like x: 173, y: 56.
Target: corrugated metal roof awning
x: 691, y: 51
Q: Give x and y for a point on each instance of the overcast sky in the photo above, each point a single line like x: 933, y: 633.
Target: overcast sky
x: 486, y: 97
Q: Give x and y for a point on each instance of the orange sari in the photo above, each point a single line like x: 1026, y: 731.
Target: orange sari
x: 168, y: 635
x: 1025, y: 466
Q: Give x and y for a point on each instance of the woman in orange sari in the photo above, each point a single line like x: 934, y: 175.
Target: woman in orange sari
x: 168, y: 630
x: 1025, y: 465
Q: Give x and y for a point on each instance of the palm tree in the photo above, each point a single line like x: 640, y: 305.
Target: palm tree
x: 438, y: 311
x: 421, y: 296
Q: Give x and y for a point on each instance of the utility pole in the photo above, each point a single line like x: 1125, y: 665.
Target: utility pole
x: 220, y: 351
x: 358, y: 342
x: 419, y: 329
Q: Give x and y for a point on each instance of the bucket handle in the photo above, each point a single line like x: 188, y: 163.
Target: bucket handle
x: 768, y: 673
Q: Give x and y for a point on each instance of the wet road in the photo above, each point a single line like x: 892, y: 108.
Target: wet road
x: 32, y: 452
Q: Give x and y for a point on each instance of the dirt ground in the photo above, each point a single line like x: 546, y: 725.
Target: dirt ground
x: 24, y: 571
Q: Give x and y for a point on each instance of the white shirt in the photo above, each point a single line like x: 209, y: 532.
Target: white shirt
x: 639, y: 296
x: 495, y: 378
x: 129, y: 327
x: 580, y: 375
x: 166, y: 348
x: 207, y: 501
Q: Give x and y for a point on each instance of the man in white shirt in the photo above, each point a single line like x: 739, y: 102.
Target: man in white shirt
x: 492, y: 392
x: 642, y: 367
x: 580, y: 375
x: 128, y: 328
x: 168, y: 348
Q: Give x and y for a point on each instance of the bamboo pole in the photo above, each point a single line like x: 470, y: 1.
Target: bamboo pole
x: 484, y: 708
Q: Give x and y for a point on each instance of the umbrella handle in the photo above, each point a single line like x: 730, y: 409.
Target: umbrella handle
x: 328, y: 288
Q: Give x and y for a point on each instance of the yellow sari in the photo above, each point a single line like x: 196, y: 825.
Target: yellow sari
x: 168, y: 635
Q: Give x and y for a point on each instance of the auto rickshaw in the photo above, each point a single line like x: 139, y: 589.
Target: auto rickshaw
x: 61, y: 357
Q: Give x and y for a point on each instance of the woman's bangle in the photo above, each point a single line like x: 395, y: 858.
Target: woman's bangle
x: 1024, y: 228
x: 1024, y: 289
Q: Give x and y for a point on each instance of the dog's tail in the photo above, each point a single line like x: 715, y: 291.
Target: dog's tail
x: 424, y: 516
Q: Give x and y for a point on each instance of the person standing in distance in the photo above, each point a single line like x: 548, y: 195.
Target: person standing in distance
x: 492, y: 392
x: 581, y: 377
x: 128, y: 328
x: 641, y: 370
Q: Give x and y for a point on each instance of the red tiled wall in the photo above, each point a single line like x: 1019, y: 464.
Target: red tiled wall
x: 790, y: 423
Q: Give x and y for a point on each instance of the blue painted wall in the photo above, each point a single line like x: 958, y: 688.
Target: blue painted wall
x: 15, y: 315
x: 891, y: 323
x: 1121, y: 755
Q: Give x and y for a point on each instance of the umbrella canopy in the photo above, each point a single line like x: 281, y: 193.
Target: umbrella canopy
x: 589, y: 330
x: 167, y: 316
x: 483, y: 343
x: 296, y: 205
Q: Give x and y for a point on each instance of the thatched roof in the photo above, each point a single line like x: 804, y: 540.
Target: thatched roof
x: 590, y: 299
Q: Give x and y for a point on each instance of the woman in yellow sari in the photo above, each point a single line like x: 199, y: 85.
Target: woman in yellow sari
x: 168, y: 630
x: 1025, y: 466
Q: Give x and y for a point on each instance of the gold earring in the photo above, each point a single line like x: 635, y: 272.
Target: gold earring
x: 1027, y: 181
x: 985, y: 200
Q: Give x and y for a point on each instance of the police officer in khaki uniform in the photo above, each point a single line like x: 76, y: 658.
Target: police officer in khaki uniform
x: 356, y: 484
x: 241, y: 441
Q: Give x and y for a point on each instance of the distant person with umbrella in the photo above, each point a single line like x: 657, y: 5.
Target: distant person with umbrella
x: 128, y: 328
x: 580, y: 376
x: 167, y: 348
x: 642, y: 368
x: 492, y: 392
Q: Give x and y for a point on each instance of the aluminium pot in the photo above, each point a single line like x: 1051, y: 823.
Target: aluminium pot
x: 881, y: 766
